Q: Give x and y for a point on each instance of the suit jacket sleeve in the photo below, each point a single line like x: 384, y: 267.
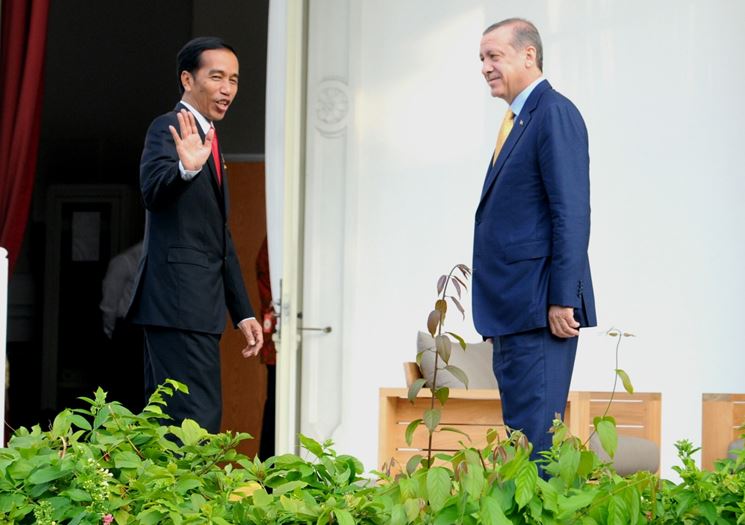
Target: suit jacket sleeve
x: 160, y: 178
x: 236, y: 297
x: 565, y: 167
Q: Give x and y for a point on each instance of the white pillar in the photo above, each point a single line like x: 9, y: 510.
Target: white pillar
x: 3, y: 334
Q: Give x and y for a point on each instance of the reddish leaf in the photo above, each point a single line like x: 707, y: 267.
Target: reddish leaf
x: 433, y: 321
x: 465, y: 270
x: 457, y: 286
x: 463, y: 284
x: 458, y: 306
x: 442, y: 306
x: 441, y: 284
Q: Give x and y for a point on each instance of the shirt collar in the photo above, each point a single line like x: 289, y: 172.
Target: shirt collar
x: 520, y: 99
x: 203, y: 122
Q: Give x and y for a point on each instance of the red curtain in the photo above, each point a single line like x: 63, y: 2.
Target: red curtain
x: 22, y: 43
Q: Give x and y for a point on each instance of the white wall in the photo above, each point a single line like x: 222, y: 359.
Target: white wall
x: 660, y: 86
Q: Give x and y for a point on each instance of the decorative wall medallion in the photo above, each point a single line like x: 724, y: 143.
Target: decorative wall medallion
x: 332, y: 106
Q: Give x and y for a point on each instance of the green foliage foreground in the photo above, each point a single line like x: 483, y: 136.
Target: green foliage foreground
x: 104, y: 464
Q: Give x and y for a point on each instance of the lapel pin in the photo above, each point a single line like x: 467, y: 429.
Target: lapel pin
x: 521, y: 122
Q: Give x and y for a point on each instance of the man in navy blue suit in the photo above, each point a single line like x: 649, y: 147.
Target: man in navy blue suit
x: 532, y: 289
x: 189, y: 271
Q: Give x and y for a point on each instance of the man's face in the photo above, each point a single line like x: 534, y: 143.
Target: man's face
x: 214, y: 85
x: 505, y: 68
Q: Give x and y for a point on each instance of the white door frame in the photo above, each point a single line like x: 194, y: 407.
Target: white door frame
x: 285, y: 140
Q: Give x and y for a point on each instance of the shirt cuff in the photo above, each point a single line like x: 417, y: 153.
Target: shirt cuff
x: 187, y: 175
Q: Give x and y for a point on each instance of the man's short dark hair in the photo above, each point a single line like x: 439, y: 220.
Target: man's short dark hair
x: 524, y: 34
x: 190, y: 57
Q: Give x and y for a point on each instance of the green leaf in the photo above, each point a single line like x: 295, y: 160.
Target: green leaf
x: 410, y: 428
x: 525, y: 483
x: 459, y: 374
x: 606, y: 429
x: 617, y: 514
x: 626, y: 381
x: 438, y: 487
x: 311, y: 445
x: 288, y: 487
x: 343, y: 517
x: 76, y: 494
x: 568, y: 506
x: 80, y: 422
x: 473, y: 480
x: 192, y: 433
x: 569, y: 458
x: 150, y: 516
x: 443, y: 346
x: 491, y: 513
x: 126, y: 459
x: 61, y: 424
x: 101, y: 416
x: 184, y: 485
x: 456, y: 431
x: 461, y: 341
x: 586, y: 463
x: 414, y: 389
x: 398, y: 515
x: 433, y: 321
x: 46, y: 474
x: 442, y: 394
x: 413, y: 463
x: 432, y: 418
x: 709, y: 511
x: 412, y: 507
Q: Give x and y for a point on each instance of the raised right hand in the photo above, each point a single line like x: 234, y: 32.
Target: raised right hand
x: 192, y: 152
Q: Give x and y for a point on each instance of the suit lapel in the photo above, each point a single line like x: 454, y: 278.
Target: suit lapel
x: 521, y: 124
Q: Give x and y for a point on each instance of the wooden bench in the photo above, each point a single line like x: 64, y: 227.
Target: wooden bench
x: 723, y: 416
x: 476, y: 411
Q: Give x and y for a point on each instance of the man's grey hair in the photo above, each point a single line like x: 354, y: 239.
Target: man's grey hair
x: 524, y: 34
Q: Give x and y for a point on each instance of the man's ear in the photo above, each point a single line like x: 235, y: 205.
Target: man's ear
x: 530, y: 57
x: 186, y: 80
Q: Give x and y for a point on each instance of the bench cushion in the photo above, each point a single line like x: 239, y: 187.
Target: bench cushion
x: 475, y: 361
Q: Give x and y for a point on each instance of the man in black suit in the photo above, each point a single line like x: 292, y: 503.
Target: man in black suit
x: 189, y: 271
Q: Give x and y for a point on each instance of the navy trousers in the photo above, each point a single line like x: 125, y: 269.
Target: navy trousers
x: 193, y: 358
x: 533, y: 371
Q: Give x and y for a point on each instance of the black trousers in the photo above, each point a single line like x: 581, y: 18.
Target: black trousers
x: 193, y: 358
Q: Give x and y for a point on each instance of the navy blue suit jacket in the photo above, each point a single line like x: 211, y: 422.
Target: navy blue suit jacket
x: 189, y: 271
x: 533, y: 221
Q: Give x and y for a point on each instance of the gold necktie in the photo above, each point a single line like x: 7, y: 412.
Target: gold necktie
x: 504, y: 131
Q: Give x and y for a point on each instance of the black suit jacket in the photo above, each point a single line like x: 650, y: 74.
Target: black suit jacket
x: 189, y: 271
